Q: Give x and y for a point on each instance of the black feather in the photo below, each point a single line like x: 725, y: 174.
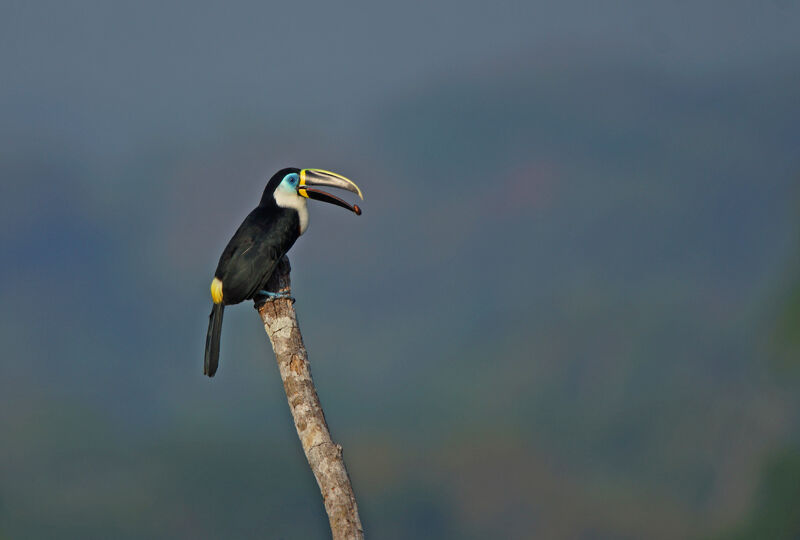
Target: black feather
x: 212, y: 340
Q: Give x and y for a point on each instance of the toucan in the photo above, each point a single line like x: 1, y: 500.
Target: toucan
x: 265, y: 235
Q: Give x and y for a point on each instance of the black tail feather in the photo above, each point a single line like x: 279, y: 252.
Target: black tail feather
x: 212, y: 340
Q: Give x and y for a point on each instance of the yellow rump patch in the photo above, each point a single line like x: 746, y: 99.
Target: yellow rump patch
x: 216, y: 291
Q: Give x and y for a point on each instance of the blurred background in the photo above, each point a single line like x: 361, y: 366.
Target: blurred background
x: 571, y: 308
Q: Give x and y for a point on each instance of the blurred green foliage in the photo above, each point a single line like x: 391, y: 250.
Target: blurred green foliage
x: 787, y: 335
x: 776, y: 513
x: 790, y: 322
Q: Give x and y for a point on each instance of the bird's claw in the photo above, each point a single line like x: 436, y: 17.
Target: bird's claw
x: 268, y: 296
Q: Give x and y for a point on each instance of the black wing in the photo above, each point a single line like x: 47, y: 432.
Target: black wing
x: 254, y: 251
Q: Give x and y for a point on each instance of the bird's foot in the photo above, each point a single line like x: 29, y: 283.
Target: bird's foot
x: 262, y: 297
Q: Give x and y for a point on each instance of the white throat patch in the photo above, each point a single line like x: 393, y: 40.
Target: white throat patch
x: 288, y: 198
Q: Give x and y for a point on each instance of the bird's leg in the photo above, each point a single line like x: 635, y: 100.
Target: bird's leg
x: 262, y: 297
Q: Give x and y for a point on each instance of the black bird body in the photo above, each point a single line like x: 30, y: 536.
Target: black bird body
x: 265, y: 235
x: 250, y: 257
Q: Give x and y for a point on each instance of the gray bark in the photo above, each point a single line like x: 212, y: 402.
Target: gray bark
x: 324, y: 457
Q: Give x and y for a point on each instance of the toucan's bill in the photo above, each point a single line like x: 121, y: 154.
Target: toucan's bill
x: 319, y: 195
x: 319, y: 177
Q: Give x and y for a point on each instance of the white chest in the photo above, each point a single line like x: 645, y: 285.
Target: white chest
x: 290, y: 199
x: 302, y: 212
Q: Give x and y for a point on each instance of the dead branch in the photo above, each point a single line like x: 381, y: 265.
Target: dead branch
x: 324, y: 457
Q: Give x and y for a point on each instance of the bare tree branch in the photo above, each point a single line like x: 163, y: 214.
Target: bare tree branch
x: 324, y: 457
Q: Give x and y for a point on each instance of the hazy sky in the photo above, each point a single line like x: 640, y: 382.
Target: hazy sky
x: 105, y: 76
